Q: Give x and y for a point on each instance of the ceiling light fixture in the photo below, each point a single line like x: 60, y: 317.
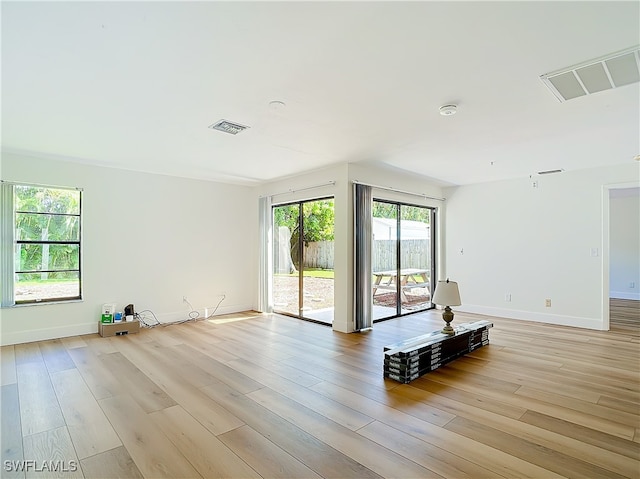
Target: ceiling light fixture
x: 228, y: 127
x: 448, y: 110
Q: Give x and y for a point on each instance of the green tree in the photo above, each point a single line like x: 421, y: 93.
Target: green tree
x: 318, y: 218
x: 407, y: 212
x: 47, y: 214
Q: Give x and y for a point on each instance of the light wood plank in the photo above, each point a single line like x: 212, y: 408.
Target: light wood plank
x: 27, y: 353
x: 111, y: 464
x: 95, y: 373
x: 11, y: 437
x: 583, y: 434
x: 206, y: 452
x: 173, y: 380
x: 450, y: 383
x: 379, y: 459
x: 574, y: 447
x: 55, y: 355
x: 90, y: 431
x: 443, y: 463
x: 299, y: 443
x: 8, y: 365
x: 627, y: 420
x: 485, y: 457
x: 148, y: 395
x: 154, y: 455
x: 347, y: 416
x: 39, y: 408
x: 264, y: 456
x: 620, y: 405
x: 52, y: 454
x: 548, y: 459
x: 74, y: 342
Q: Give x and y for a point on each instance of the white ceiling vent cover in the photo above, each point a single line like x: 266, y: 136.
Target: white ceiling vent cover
x: 228, y: 127
x: 612, y: 71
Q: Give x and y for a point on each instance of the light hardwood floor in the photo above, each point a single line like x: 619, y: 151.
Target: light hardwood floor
x: 249, y: 396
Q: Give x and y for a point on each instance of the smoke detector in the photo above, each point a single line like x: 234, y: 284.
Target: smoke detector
x: 448, y: 110
x: 228, y: 127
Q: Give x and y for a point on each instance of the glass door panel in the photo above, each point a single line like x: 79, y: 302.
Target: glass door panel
x: 317, y: 265
x: 385, y: 260
x: 286, y: 264
x: 303, y: 239
x: 415, y: 258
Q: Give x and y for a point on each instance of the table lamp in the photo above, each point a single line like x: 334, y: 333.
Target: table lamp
x: 447, y: 295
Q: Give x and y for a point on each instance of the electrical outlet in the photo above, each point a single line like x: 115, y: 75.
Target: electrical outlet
x: 547, y: 303
x: 223, y: 293
x: 184, y: 299
x: 507, y: 297
x: 632, y: 284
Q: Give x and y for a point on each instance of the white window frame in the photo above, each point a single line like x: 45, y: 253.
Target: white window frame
x: 9, y: 242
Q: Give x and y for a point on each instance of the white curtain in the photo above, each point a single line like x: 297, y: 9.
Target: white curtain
x: 363, y: 295
x: 265, y: 269
x: 6, y: 245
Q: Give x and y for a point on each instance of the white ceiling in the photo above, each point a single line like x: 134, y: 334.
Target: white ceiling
x: 135, y: 85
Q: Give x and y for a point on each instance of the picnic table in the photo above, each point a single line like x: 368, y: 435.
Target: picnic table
x: 408, y: 279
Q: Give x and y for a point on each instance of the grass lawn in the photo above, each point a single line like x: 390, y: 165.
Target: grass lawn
x: 314, y: 273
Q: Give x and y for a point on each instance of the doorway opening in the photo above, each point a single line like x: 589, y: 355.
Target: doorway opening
x: 303, y: 259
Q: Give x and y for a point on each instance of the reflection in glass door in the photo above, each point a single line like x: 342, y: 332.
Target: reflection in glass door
x: 303, y: 259
x: 402, y: 259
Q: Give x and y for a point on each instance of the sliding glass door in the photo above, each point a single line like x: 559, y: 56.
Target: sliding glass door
x: 303, y: 259
x: 402, y: 258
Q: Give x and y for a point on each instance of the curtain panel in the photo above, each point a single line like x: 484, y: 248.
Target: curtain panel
x: 363, y: 295
x: 265, y: 285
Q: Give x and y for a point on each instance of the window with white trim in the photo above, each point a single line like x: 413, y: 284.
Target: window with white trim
x: 41, y: 247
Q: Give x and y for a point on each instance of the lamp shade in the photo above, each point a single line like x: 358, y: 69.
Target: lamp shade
x: 447, y: 294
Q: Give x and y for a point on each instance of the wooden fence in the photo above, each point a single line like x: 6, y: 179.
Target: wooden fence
x: 413, y: 254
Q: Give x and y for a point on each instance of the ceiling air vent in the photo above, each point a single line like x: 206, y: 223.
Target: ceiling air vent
x: 613, y: 71
x: 228, y: 127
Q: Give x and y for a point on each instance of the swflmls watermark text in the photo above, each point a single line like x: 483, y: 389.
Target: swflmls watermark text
x: 30, y: 465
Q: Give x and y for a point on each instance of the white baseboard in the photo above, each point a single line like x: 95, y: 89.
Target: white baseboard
x: 168, y: 318
x: 20, y: 337
x: 624, y: 295
x: 575, y: 321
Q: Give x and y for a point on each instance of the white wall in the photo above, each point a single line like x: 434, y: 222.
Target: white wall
x: 147, y: 240
x: 534, y: 244
x: 624, y: 241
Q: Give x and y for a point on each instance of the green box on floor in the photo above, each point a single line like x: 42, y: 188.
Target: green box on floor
x: 107, y: 318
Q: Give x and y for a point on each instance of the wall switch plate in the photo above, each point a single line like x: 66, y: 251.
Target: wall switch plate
x: 594, y: 252
x: 547, y: 303
x: 507, y: 297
